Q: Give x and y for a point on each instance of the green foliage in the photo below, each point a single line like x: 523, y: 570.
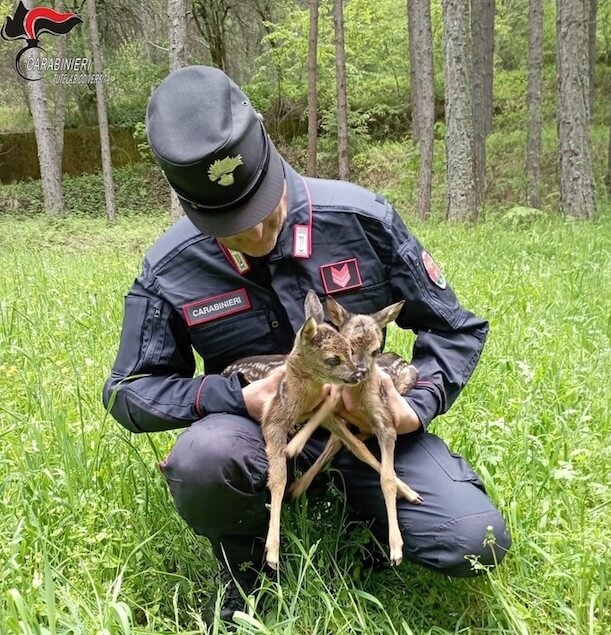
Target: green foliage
x: 139, y: 187
x: 92, y: 543
x: 132, y: 78
x: 520, y: 215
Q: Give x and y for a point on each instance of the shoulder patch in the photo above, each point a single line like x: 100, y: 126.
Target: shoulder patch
x: 433, y: 271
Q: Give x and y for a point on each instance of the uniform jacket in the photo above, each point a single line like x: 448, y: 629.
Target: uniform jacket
x: 193, y: 294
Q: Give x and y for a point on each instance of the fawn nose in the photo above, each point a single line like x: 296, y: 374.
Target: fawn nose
x: 361, y: 373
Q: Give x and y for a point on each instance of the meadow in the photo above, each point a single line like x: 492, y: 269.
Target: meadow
x: 90, y: 542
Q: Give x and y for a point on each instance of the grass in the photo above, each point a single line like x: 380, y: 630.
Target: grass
x: 89, y: 540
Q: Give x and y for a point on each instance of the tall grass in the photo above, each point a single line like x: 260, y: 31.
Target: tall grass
x: 89, y: 540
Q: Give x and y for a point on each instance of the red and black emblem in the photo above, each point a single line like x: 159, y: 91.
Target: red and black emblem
x: 340, y: 276
x: 30, y: 24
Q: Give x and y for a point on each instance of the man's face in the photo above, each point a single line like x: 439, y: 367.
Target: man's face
x: 260, y: 239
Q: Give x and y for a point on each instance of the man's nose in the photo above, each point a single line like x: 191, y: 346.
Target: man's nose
x: 254, y: 233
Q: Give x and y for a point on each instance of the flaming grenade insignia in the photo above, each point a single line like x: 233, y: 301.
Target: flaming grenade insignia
x: 30, y: 24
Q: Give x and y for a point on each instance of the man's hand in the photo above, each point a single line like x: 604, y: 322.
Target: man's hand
x: 258, y: 394
x: 403, y: 415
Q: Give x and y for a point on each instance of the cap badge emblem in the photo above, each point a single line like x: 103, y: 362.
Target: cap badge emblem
x: 222, y: 170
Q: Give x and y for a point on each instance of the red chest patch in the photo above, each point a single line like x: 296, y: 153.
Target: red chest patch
x: 340, y: 276
x: 217, y: 306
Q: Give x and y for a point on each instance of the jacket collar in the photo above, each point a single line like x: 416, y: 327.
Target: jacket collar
x: 295, y: 238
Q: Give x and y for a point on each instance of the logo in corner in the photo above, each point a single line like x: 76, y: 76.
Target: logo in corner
x: 30, y: 24
x: 222, y: 170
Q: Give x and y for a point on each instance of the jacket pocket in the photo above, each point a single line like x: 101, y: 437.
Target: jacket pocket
x: 142, y: 336
x: 452, y: 464
x: 222, y: 342
x: 366, y: 300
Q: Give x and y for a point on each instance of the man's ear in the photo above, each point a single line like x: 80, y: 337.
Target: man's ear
x: 313, y: 307
x: 337, y: 314
x: 389, y: 314
x: 307, y: 331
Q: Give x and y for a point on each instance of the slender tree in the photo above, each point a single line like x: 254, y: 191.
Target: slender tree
x: 312, y: 89
x: 46, y: 139
x: 177, y: 14
x: 211, y: 18
x: 577, y: 196
x: 482, y: 41
x: 60, y: 93
x: 535, y: 85
x: 457, y: 70
x: 592, y: 49
x: 608, y: 177
x: 342, y: 99
x: 423, y: 94
x: 98, y: 67
x: 489, y: 11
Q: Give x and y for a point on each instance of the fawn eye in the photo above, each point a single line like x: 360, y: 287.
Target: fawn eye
x: 333, y: 361
x: 375, y: 353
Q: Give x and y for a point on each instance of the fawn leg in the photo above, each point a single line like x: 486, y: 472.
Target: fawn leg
x: 275, y: 443
x: 386, y: 438
x: 333, y: 446
x: 297, y: 443
x: 361, y: 451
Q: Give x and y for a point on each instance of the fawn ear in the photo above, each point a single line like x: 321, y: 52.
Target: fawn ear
x: 313, y: 307
x: 307, y: 331
x: 337, y: 314
x: 387, y: 315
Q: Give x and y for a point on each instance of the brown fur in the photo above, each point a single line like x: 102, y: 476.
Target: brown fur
x: 309, y: 366
x: 365, y: 335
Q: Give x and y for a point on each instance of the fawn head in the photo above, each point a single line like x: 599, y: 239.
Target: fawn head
x: 364, y: 333
x: 322, y: 351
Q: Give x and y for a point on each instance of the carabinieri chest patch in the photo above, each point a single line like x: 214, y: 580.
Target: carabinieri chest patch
x: 217, y: 306
x: 340, y: 276
x: 433, y: 271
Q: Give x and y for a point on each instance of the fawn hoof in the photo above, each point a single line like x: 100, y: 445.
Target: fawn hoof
x: 408, y: 493
x: 396, y: 560
x: 297, y: 489
x: 293, y: 449
x: 396, y: 551
x: 271, y: 557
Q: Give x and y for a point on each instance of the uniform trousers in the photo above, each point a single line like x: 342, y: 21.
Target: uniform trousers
x: 217, y: 472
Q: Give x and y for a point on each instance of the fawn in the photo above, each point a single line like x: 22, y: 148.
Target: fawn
x: 320, y: 355
x: 366, y: 341
x: 365, y: 336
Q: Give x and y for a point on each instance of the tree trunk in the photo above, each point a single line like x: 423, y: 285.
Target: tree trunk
x: 46, y: 140
x: 414, y: 9
x: 312, y: 89
x: 109, y: 189
x: 210, y: 17
x: 535, y: 86
x: 592, y: 50
x: 422, y: 86
x: 577, y: 196
x: 489, y: 10
x: 60, y: 94
x: 342, y: 100
x: 477, y: 96
x: 457, y: 70
x: 608, y: 179
x: 177, y: 14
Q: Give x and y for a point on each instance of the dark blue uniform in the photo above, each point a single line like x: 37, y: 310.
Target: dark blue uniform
x: 194, y: 294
